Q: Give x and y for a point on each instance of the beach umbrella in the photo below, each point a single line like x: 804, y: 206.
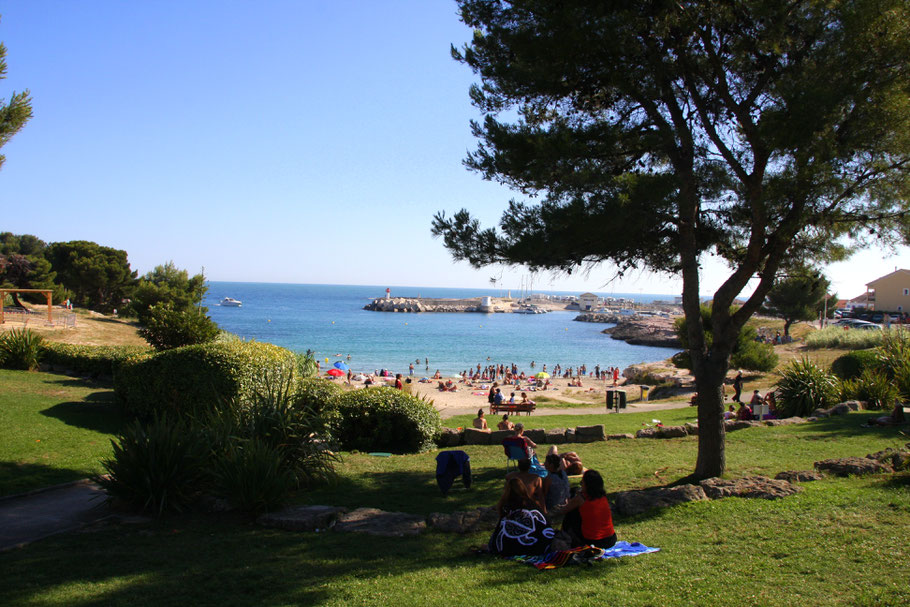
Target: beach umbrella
x: 341, y: 365
x: 335, y: 372
x: 542, y: 375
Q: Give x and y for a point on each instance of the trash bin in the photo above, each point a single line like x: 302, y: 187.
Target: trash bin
x: 645, y: 391
x: 616, y: 399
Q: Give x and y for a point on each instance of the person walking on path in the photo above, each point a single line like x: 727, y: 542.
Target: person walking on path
x: 738, y: 387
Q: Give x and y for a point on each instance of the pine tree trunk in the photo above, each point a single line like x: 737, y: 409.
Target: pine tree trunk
x: 709, y: 377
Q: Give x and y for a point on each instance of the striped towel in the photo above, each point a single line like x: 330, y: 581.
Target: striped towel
x: 585, y: 554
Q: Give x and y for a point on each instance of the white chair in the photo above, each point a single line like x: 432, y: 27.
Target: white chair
x: 759, y: 411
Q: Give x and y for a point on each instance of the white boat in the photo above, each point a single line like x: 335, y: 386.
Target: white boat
x: 532, y: 309
x: 231, y: 302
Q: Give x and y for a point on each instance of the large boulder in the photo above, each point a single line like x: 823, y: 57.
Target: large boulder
x: 671, y: 432
x: 819, y: 413
x: 470, y: 521
x: 302, y: 518
x: 630, y: 503
x: 556, y: 436
x: 537, y: 435
x: 751, y: 486
x: 497, y: 436
x: 450, y: 437
x: 731, y: 425
x: 849, y: 466
x: 799, y: 476
x: 590, y: 434
x: 473, y: 436
x: 378, y: 522
x: 646, y: 433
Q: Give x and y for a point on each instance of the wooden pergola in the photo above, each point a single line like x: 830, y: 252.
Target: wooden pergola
x: 47, y: 293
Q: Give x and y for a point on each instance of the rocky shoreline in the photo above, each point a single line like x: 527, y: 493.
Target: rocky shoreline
x: 474, y: 304
x: 656, y: 331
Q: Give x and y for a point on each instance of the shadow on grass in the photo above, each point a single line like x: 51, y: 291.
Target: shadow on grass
x: 188, y: 560
x: 843, y: 426
x: 97, y: 412
x: 18, y: 477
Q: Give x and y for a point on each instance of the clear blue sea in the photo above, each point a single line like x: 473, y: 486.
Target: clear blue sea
x: 330, y: 320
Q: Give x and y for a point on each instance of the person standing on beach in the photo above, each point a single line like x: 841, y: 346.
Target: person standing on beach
x: 427, y: 361
x: 615, y: 375
x: 411, y: 369
x: 398, y: 384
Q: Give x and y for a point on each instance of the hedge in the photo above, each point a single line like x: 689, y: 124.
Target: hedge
x: 386, y: 419
x: 852, y: 364
x: 198, y: 379
x: 88, y: 360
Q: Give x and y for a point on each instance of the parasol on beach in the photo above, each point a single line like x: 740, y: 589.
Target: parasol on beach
x: 340, y: 365
x: 542, y: 375
x: 335, y: 372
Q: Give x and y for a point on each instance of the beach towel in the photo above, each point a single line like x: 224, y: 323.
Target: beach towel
x: 585, y: 554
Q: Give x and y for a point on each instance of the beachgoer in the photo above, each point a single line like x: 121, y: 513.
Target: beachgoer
x: 730, y: 413
x: 615, y: 375
x: 411, y: 369
x: 525, y: 400
x: 492, y: 393
x: 737, y: 387
x: 588, y: 517
x: 522, y: 528
x: 497, y: 397
x: 529, y: 444
x: 512, y: 399
x: 756, y: 399
x: 480, y: 422
x: 505, y: 424
x: 556, y: 485
x: 398, y: 384
x: 744, y: 412
x: 532, y: 482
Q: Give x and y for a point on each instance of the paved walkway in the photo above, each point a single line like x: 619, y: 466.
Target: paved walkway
x: 33, y: 516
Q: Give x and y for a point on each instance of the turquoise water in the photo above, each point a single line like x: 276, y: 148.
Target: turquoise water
x: 330, y: 320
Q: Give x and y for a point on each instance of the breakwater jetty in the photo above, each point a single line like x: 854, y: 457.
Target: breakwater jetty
x: 485, y: 305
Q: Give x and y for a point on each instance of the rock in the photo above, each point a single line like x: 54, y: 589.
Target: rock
x: 556, y: 436
x: 570, y: 435
x: 898, y: 460
x: 302, y: 518
x: 537, y: 435
x: 378, y: 522
x: 619, y: 436
x: 799, y: 476
x: 450, y: 437
x: 473, y: 436
x: 657, y: 373
x: 787, y: 421
x: 590, y: 434
x: 731, y: 425
x: 630, y: 503
x: 655, y: 331
x: 751, y: 486
x: 646, y: 433
x: 671, y: 432
x: 470, y: 521
x: 497, y: 436
x: 854, y: 405
x: 820, y: 413
x: 691, y: 428
x: 847, y: 466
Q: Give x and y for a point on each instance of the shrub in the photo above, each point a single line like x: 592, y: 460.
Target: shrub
x: 852, y: 364
x: 754, y: 356
x: 89, y: 360
x: 836, y: 337
x: 319, y: 395
x: 386, y: 419
x: 166, y: 328
x: 251, y: 475
x: 804, y: 387
x: 20, y: 349
x: 197, y: 379
x: 894, y: 358
x: 156, y: 467
x: 873, y: 387
x: 306, y: 363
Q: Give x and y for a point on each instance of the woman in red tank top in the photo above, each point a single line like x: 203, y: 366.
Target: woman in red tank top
x: 588, y: 516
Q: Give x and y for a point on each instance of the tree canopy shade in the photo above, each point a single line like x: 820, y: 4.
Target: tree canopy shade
x: 15, y: 113
x: 653, y: 133
x: 798, y: 295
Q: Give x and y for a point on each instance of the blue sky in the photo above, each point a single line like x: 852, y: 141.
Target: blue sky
x: 279, y: 141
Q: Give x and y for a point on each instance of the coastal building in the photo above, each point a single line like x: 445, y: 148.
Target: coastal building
x: 588, y: 302
x: 890, y: 293
x: 860, y: 302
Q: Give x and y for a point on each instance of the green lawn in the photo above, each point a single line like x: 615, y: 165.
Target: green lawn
x: 53, y: 429
x: 839, y: 542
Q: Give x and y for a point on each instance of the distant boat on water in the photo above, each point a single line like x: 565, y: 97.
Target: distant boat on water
x: 532, y: 309
x: 231, y: 302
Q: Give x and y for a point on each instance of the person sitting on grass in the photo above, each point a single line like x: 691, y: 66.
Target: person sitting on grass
x: 744, y: 413
x: 522, y: 528
x: 555, y: 486
x: 730, y: 413
x: 505, y: 424
x: 480, y: 421
x: 532, y: 483
x: 588, y: 517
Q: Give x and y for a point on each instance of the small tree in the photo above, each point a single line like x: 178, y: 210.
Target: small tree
x: 797, y: 295
x: 165, y: 328
x: 166, y: 285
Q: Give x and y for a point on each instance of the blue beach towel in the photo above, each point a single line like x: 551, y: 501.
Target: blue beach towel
x: 586, y: 554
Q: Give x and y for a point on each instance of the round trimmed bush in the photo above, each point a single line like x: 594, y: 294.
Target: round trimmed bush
x: 386, y: 419
x: 852, y: 364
